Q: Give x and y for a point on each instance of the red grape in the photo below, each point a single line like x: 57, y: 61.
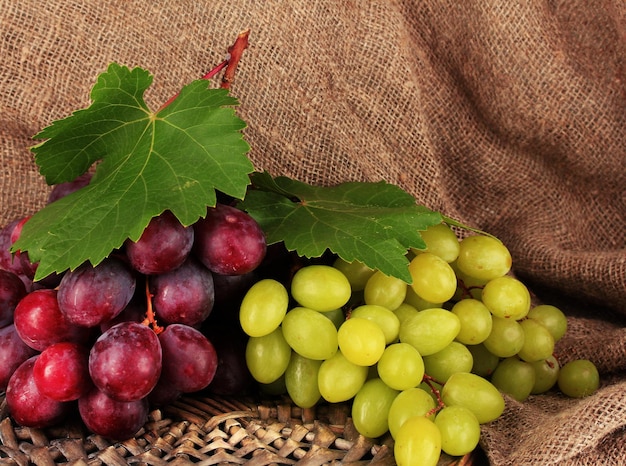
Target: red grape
x: 13, y: 352
x: 61, y: 371
x: 12, y: 290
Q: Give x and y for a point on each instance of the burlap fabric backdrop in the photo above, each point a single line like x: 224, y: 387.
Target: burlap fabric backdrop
x: 509, y: 117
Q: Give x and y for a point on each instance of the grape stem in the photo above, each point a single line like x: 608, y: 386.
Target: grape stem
x: 229, y: 64
x: 150, y: 316
x: 428, y: 380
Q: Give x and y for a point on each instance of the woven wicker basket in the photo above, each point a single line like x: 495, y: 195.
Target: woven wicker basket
x: 209, y: 430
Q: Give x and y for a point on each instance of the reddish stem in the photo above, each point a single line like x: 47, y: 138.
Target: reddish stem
x: 150, y: 315
x: 235, y: 52
x: 428, y: 380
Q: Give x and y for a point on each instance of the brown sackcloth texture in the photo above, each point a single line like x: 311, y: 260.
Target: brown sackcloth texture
x: 508, y: 116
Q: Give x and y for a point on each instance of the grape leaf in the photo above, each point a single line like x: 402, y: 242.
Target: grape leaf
x: 375, y: 223
x: 147, y: 162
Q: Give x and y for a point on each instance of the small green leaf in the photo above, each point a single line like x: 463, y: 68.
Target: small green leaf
x: 148, y: 162
x: 375, y: 223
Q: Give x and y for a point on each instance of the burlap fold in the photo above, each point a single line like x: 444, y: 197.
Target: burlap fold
x: 508, y: 116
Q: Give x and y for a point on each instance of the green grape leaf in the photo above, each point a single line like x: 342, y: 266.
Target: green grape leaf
x: 375, y: 223
x: 147, y: 162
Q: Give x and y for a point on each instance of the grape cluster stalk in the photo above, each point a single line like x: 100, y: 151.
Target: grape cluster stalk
x: 116, y: 339
x: 427, y: 363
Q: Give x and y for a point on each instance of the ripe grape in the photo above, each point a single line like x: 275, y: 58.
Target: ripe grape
x: 514, y: 377
x: 89, y: 296
x: 546, y: 374
x: 430, y: 330
x: 538, y: 341
x: 184, y: 295
x: 476, y: 321
x: 189, y: 358
x: 433, y: 278
x: 263, y: 307
x: 301, y: 380
x: 61, y: 371
x: 361, y: 341
x: 370, y: 408
x: 268, y: 356
x: 418, y: 302
x: 475, y: 393
x: 483, y: 257
x: 381, y: 316
x: 459, y: 428
x: 409, y: 403
x: 506, y: 338
x: 228, y: 241
x: 441, y: 241
x: 320, y: 287
x: 309, y: 333
x: 506, y: 297
x: 27, y: 405
x: 112, y: 419
x: 64, y: 189
x: 384, y: 290
x: 578, y: 378
x: 356, y: 272
x: 452, y: 359
x: 40, y: 323
x: 13, y: 352
x: 125, y: 361
x: 484, y: 361
x: 339, y: 379
x: 12, y: 290
x: 417, y: 443
x: 163, y: 246
x: 551, y: 317
x: 401, y: 366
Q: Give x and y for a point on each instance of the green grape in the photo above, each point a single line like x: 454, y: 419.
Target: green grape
x: 578, y: 378
x: 431, y: 330
x: 356, y: 272
x: 460, y: 430
x: 416, y: 301
x: 475, y: 320
x: 475, y: 393
x: 538, y: 341
x: 484, y: 361
x: 263, y: 307
x: 267, y: 357
x: 441, y: 241
x: 453, y: 358
x: 408, y: 403
x: 339, y: 380
x: 506, y: 337
x: 301, y: 380
x: 401, y: 366
x: 361, y: 341
x: 433, y: 388
x: 514, y: 377
x: 417, y: 443
x: 370, y: 408
x: 546, y: 374
x: 337, y: 317
x: 506, y: 297
x: 309, y: 333
x: 320, y: 287
x: 381, y: 316
x: 433, y: 278
x: 467, y: 287
x: 483, y: 257
x: 551, y: 317
x: 384, y: 290
x: 403, y: 312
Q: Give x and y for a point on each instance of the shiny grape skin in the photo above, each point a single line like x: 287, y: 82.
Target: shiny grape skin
x: 185, y: 295
x: 163, y: 246
x: 125, y: 361
x: 7, y: 260
x: 27, y: 405
x: 112, y: 419
x: 13, y: 352
x: 61, y: 371
x: 228, y: 241
x: 189, y: 358
x: 40, y: 323
x: 89, y: 296
x: 12, y: 290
